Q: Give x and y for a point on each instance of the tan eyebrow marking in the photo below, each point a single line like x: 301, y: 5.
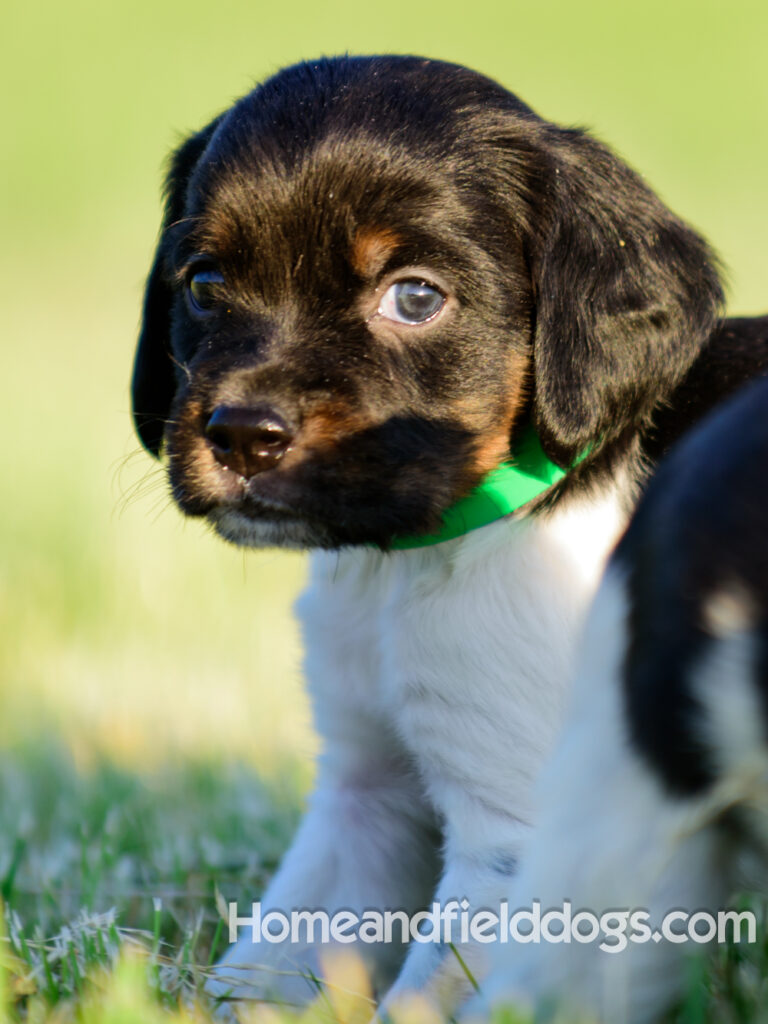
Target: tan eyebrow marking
x: 370, y: 249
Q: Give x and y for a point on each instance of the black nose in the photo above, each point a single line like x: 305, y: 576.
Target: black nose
x: 248, y: 439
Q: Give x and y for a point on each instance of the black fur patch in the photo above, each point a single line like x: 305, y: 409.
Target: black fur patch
x: 701, y: 529
x: 736, y: 353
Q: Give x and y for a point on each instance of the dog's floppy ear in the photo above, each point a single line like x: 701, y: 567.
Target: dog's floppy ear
x: 625, y: 296
x: 154, y: 383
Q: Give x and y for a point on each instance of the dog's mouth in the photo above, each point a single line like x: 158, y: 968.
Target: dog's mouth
x: 260, y: 507
x: 249, y: 525
x: 298, y: 511
x: 263, y: 510
x: 314, y: 505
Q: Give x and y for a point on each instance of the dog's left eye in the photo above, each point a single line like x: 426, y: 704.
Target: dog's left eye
x: 411, y: 302
x: 203, y: 289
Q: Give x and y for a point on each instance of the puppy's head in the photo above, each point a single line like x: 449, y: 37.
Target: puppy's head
x: 371, y: 273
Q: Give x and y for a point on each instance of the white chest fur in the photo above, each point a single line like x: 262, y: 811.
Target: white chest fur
x: 461, y: 650
x: 438, y: 677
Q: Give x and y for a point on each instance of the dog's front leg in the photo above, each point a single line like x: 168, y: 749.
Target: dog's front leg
x: 368, y: 840
x: 463, y: 926
x: 364, y: 844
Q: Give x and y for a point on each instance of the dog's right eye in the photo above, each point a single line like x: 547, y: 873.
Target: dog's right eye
x: 204, y: 290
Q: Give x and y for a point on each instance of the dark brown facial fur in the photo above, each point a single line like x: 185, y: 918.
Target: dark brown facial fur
x: 294, y: 408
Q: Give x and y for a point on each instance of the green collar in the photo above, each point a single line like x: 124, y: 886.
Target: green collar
x: 504, y: 490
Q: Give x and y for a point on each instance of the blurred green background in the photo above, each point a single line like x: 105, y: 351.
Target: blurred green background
x: 124, y: 629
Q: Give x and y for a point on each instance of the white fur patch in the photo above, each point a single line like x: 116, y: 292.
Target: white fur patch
x: 729, y: 610
x: 438, y: 677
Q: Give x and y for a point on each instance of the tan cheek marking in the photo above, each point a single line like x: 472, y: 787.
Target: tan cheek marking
x: 489, y: 453
x: 370, y: 249
x: 328, y: 426
x: 493, y: 441
x: 194, y: 454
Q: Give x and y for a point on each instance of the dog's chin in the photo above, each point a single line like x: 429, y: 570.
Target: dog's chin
x: 248, y: 532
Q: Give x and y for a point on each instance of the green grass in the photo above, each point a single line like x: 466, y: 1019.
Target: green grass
x: 107, y: 860
x: 154, y: 736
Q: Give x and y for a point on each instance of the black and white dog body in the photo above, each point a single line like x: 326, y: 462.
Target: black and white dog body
x: 656, y: 798
x: 375, y: 277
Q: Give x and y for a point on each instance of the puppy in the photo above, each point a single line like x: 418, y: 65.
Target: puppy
x: 398, y: 319
x: 658, y: 791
